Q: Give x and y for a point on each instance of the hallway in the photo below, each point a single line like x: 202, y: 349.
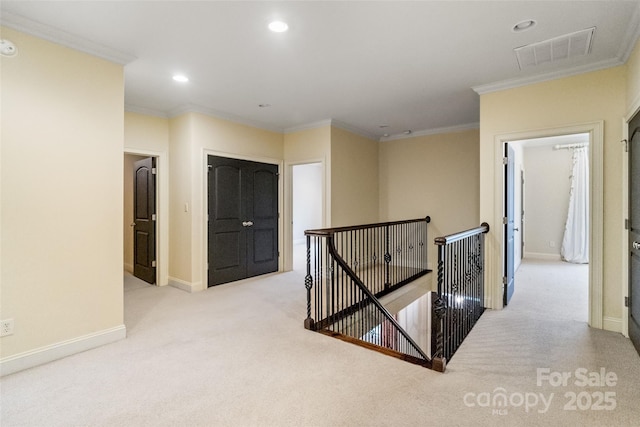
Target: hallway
x: 238, y: 355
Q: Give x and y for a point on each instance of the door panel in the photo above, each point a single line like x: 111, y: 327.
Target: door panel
x: 634, y: 231
x: 144, y: 231
x: 509, y: 226
x: 226, y: 235
x: 243, y: 219
x: 228, y: 203
x: 263, y: 252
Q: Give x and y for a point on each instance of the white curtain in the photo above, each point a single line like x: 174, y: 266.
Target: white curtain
x: 575, y: 244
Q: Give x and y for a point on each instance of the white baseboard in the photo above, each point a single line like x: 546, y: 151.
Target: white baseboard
x: 537, y: 255
x: 49, y: 353
x: 612, y: 324
x: 184, y: 285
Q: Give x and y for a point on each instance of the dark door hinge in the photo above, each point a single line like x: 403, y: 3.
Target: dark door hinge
x: 626, y: 301
x: 626, y: 224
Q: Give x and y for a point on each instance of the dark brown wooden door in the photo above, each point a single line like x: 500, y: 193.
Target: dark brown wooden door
x: 509, y: 225
x: 144, y: 214
x: 634, y: 231
x: 243, y: 219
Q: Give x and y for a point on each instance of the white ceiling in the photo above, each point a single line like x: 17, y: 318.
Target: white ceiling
x: 409, y: 65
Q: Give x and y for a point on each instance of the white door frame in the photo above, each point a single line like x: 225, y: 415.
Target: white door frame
x: 596, y: 212
x: 206, y: 152
x: 162, y: 210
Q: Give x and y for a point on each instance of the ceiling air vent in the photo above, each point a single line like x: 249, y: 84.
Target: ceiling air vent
x: 562, y: 47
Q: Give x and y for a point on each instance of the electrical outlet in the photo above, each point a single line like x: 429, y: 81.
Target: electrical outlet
x: 6, y: 327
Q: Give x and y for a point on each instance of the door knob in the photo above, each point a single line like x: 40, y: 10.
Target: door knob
x: 636, y: 245
x: 247, y: 223
x: 516, y: 229
x: 133, y: 224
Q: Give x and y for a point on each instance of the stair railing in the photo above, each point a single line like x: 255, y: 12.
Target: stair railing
x: 349, y: 268
x: 460, y: 300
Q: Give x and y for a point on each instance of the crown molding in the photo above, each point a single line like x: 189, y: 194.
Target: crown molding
x: 434, y: 131
x: 333, y: 123
x: 631, y: 36
x: 308, y: 126
x: 194, y: 108
x: 513, y: 83
x: 353, y: 129
x: 144, y: 110
x: 54, y: 35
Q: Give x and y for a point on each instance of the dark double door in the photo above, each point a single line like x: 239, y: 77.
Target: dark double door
x: 633, y: 301
x: 243, y: 219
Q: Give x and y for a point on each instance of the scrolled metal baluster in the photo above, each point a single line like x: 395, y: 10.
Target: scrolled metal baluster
x: 308, y: 284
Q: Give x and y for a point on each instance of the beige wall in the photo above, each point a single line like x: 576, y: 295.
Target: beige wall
x: 354, y: 179
x: 633, y: 79
x: 180, y: 200
x: 548, y: 182
x: 308, y: 145
x: 143, y: 132
x: 62, y: 195
x: 563, y: 102
x: 435, y: 175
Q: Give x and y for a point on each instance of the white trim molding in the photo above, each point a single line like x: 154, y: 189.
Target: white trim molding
x: 435, y: 131
x: 612, y: 324
x: 539, y: 78
x: 49, y: 353
x: 541, y: 256
x: 55, y: 35
x: 184, y: 285
x: 194, y: 108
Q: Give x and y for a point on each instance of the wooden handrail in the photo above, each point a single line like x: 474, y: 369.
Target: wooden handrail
x: 484, y: 228
x: 330, y: 231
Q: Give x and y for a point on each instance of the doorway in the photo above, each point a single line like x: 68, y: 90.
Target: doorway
x: 242, y: 200
x: 307, y: 207
x: 632, y: 300
x: 557, y: 232
x: 140, y: 217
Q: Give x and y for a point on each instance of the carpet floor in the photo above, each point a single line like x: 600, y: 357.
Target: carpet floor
x: 238, y: 355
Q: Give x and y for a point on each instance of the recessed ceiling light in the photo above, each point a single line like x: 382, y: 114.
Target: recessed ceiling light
x: 181, y: 78
x: 407, y: 132
x: 278, y: 26
x: 383, y: 126
x: 527, y: 24
x: 264, y: 105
